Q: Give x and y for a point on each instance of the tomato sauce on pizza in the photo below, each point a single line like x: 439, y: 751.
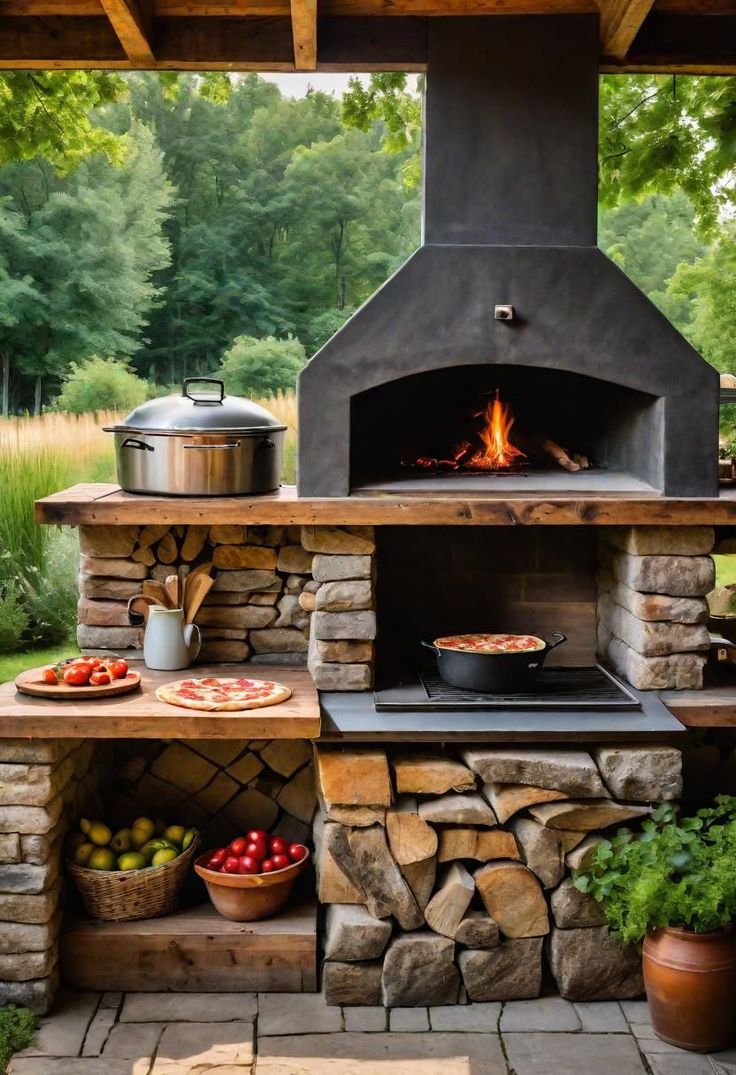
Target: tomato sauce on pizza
x: 229, y: 693
x: 491, y: 643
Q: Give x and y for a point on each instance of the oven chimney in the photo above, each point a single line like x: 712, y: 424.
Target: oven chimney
x: 511, y: 131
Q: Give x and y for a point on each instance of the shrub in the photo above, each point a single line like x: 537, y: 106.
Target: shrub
x: 13, y: 617
x: 17, y: 1031
x: 671, y: 873
x: 264, y: 367
x: 51, y: 594
x: 100, y: 384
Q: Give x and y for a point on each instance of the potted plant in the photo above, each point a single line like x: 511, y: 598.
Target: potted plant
x: 673, y: 885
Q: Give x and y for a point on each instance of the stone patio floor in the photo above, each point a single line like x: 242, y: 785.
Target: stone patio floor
x: 297, y: 1034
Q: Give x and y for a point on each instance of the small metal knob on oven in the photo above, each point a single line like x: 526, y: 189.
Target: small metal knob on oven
x: 503, y: 312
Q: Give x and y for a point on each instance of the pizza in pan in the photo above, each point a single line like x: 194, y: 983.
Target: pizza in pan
x: 491, y: 643
x: 223, y: 694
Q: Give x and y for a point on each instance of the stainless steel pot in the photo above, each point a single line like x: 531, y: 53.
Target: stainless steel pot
x: 199, y: 444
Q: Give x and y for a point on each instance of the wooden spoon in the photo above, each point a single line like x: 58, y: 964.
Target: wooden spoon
x: 197, y: 589
x: 172, y: 590
x: 157, y: 591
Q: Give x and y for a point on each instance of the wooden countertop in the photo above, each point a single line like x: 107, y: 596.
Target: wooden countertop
x: 109, y: 505
x: 713, y: 707
x: 140, y: 715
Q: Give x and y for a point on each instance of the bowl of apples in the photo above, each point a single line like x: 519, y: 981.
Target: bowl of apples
x: 253, y: 876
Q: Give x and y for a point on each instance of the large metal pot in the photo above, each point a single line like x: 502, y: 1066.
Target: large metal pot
x: 490, y: 672
x: 199, y: 444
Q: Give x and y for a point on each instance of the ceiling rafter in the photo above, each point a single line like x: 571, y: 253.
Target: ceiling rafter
x: 132, y: 21
x: 304, y: 33
x: 621, y: 21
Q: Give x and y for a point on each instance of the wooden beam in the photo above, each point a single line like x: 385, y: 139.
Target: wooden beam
x: 304, y: 33
x: 621, y: 21
x: 132, y: 21
x: 682, y: 44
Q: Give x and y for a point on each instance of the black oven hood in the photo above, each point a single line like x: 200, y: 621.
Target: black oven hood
x: 510, y: 212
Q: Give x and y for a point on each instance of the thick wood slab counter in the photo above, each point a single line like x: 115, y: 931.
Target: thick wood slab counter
x: 141, y: 715
x: 714, y: 707
x: 108, y: 505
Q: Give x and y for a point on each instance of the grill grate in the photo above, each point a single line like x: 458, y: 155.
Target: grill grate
x: 556, y: 689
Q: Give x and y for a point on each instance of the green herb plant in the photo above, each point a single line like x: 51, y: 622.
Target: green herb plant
x: 674, y: 872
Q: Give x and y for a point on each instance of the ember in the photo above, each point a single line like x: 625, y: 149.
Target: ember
x: 495, y: 451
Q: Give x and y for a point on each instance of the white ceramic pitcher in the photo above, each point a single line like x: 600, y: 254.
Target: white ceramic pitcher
x: 169, y: 643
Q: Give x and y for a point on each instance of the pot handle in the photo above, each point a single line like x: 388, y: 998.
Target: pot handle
x: 131, y: 442
x: 202, y: 380
x: 429, y: 645
x: 559, y: 638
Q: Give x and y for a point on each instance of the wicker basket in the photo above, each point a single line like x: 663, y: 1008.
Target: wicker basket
x: 124, y: 896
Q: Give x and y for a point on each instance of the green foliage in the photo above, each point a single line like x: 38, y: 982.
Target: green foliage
x: 674, y: 872
x: 13, y: 617
x: 17, y: 1031
x: 50, y: 114
x: 50, y: 593
x: 100, y: 384
x: 387, y: 103
x: 262, y: 367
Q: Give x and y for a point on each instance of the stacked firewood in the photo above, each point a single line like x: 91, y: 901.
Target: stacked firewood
x: 444, y: 873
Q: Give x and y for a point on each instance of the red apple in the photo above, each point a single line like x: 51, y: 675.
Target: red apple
x: 267, y: 866
x: 231, y: 864
x: 297, y: 852
x: 247, y: 864
x: 279, y: 846
x: 257, y: 834
x: 280, y: 862
x: 238, y: 846
x: 257, y: 849
x: 216, y: 859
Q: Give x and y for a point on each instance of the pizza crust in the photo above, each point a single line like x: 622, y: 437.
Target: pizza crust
x: 170, y: 693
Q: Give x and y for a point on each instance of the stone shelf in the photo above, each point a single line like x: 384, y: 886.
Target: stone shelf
x: 713, y: 707
x: 140, y: 715
x: 108, y: 505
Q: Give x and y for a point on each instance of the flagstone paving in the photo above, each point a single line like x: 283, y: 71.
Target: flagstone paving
x: 298, y: 1034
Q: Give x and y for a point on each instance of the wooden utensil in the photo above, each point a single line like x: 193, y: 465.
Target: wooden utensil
x: 196, y: 590
x: 200, y: 569
x: 157, y: 591
x: 172, y: 590
x: 139, y: 608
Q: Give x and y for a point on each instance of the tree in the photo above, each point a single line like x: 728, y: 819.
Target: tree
x: 254, y: 367
x: 100, y: 384
x: 50, y: 114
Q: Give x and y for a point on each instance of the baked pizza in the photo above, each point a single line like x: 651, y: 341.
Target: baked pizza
x: 491, y: 643
x: 223, y: 694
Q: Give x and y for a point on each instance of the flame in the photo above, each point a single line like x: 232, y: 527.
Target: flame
x: 497, y: 452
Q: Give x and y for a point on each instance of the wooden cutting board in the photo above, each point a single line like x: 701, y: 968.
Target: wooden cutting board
x: 31, y: 682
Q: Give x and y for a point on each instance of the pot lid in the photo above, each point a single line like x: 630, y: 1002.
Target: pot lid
x: 200, y: 410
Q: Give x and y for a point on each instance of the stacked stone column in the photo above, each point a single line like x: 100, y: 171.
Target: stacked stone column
x: 43, y: 786
x: 651, y: 603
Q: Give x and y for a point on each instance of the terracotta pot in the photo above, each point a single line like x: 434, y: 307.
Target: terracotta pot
x: 690, y: 979
x: 249, y: 897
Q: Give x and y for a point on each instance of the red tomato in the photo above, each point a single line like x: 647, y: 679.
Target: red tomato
x: 267, y: 866
x: 278, y: 845
x: 257, y: 834
x: 118, y: 668
x: 256, y: 851
x: 247, y: 864
x: 238, y: 846
x: 99, y: 678
x: 231, y: 864
x: 297, y: 852
x: 216, y: 859
x: 94, y: 661
x: 77, y: 675
x: 50, y: 676
x: 280, y: 862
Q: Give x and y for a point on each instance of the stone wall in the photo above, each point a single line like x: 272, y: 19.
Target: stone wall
x: 222, y: 786
x: 446, y: 876
x: 651, y: 605
x: 281, y: 593
x: 43, y: 786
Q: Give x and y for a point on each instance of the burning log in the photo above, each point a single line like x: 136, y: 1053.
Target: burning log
x: 494, y: 452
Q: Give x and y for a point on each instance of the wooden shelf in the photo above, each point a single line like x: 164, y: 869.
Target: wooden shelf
x: 194, y: 951
x: 140, y: 715
x: 92, y: 505
x: 714, y: 707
